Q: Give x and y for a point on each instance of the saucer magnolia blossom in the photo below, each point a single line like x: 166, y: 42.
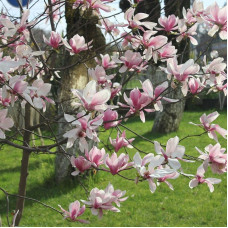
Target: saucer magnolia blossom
x: 74, y: 212
x: 106, y: 62
x: 120, y: 142
x: 199, y: 179
x: 92, y: 99
x: 5, y: 123
x: 77, y: 44
x: 109, y: 119
x: 54, y: 41
x: 154, y: 95
x: 134, y: 21
x: 96, y: 156
x: 217, y: 19
x: 181, y: 72
x: 214, y: 156
x: 211, y: 128
x: 117, y: 164
x: 100, y: 200
x: 168, y: 24
x: 173, y: 153
x: 136, y: 102
x: 39, y: 92
x: 80, y: 164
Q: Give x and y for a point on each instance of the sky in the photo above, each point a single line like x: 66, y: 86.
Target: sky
x: 39, y: 7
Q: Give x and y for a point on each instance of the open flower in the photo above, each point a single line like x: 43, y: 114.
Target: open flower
x: 100, y: 200
x: 91, y: 99
x: 96, y: 156
x: 168, y: 24
x: 211, y: 128
x: 74, y: 212
x: 120, y: 142
x: 199, y: 179
x: 173, y: 153
x: 214, y: 156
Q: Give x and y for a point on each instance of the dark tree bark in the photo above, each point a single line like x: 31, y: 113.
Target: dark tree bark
x: 75, y: 77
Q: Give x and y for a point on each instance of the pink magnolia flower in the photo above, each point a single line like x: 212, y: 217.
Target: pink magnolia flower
x: 99, y: 75
x: 136, y: 102
x: 105, y: 62
x: 80, y: 164
x: 77, y: 44
x: 211, y: 128
x: 39, y: 92
x: 154, y: 95
x: 151, y: 174
x: 74, y: 212
x: 217, y: 19
x: 181, y: 72
x: 96, y: 156
x: 215, y: 68
x: 172, y: 175
x: 110, y: 119
x: 139, y: 162
x: 5, y: 123
x: 110, y: 27
x: 169, y: 24
x: 117, y: 164
x: 166, y: 52
x: 91, y: 99
x: 54, y: 41
x: 100, y: 200
x: 135, y: 22
x: 92, y: 4
x: 84, y: 128
x: 195, y: 86
x: 173, y: 153
x: 186, y: 32
x: 199, y: 179
x: 132, y: 61
x: 214, y: 156
x: 120, y: 142
x: 127, y: 38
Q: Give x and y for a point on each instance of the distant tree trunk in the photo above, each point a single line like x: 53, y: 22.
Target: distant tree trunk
x: 169, y: 119
x: 75, y: 77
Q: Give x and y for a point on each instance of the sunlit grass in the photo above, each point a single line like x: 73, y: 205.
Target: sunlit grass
x: 181, y: 207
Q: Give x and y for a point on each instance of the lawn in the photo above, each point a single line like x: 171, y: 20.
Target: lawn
x: 181, y: 207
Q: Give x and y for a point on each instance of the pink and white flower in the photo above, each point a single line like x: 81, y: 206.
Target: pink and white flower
x: 120, y: 142
x: 106, y: 62
x: 96, y: 156
x: 54, y: 41
x: 92, y: 99
x: 100, y: 200
x: 77, y: 44
x: 214, y: 156
x: 74, y: 212
x: 80, y: 164
x: 199, y: 179
x: 110, y: 119
x: 168, y: 24
x: 117, y: 164
x: 173, y: 153
x: 211, y: 128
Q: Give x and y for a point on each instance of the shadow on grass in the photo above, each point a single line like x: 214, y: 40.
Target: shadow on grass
x: 42, y: 192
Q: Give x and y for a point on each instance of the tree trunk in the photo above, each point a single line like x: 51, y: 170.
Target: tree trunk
x: 169, y: 119
x: 75, y: 77
x: 24, y: 166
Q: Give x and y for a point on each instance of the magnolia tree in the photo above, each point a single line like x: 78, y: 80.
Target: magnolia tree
x: 25, y: 70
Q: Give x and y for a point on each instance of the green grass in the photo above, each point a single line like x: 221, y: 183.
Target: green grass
x: 181, y: 207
